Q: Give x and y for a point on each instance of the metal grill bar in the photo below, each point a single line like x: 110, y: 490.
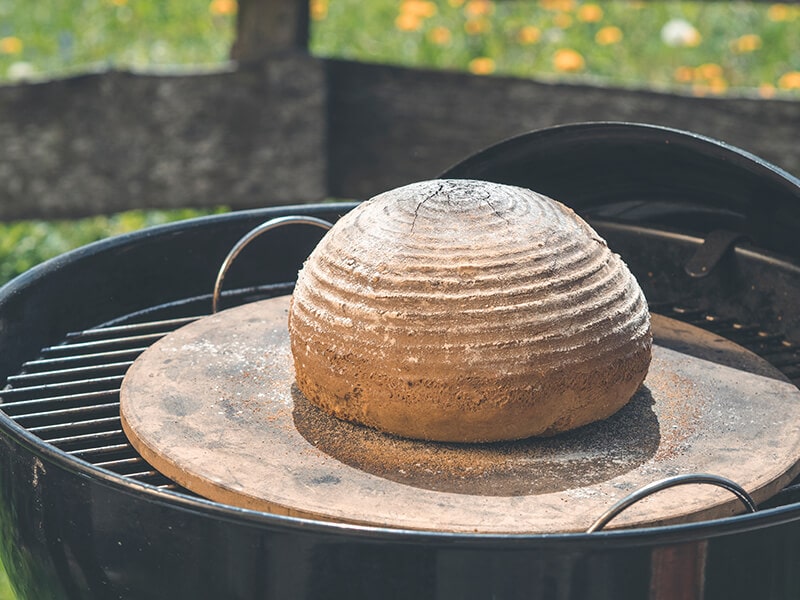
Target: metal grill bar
x: 137, y: 328
x: 137, y: 468
x: 81, y: 360
x: 67, y: 414
x: 122, y: 465
x: 685, y: 313
x: 143, y: 475
x: 118, y: 368
x: 87, y: 440
x: 65, y: 401
x: 91, y: 454
x: 99, y: 345
x: 88, y: 385
x: 44, y: 431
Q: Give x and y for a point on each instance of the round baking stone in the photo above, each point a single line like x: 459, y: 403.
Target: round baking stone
x: 213, y: 406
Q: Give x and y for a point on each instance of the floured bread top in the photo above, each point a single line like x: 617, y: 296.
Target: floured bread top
x: 453, y: 309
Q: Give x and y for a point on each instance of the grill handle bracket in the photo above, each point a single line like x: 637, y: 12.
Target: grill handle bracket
x: 715, y: 246
x: 249, y: 237
x: 669, y: 482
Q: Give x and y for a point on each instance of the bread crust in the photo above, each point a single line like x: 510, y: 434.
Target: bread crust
x: 467, y: 311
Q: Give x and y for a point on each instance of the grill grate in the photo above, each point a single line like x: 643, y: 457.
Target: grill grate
x: 69, y: 395
x: 773, y: 347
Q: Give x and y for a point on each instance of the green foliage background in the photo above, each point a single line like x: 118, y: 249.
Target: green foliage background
x: 639, y: 59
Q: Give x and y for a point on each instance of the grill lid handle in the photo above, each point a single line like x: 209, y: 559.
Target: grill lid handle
x: 657, y: 486
x: 715, y: 246
x: 253, y: 234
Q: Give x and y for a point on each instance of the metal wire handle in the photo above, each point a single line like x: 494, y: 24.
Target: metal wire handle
x: 669, y: 482
x: 253, y: 234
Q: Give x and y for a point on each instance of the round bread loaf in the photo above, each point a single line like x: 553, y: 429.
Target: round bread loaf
x: 467, y: 311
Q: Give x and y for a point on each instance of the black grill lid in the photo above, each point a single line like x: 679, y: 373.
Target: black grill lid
x: 636, y: 173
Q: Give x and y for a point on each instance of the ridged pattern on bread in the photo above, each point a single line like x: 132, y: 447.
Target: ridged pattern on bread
x: 463, y: 310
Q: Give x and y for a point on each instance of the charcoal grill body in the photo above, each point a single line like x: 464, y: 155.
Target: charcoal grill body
x: 73, y: 530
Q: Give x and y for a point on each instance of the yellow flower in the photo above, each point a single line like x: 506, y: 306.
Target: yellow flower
x: 529, y: 35
x: 440, y: 35
x: 476, y: 26
x: 418, y: 8
x: 790, y: 81
x: 695, y: 40
x: 10, y: 45
x: 766, y: 90
x: 779, y: 12
x: 479, y: 8
x: 684, y: 74
x: 222, y: 7
x: 562, y: 20
x: 569, y: 60
x: 407, y: 22
x: 590, y: 13
x: 481, y: 66
x: 746, y: 43
x: 718, y: 85
x: 318, y: 9
x: 608, y: 35
x: 708, y: 71
x: 559, y: 5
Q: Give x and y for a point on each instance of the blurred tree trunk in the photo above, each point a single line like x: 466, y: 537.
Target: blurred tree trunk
x: 264, y: 27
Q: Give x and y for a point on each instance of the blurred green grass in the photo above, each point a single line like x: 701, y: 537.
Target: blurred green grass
x: 58, y: 37
x: 715, y: 49
x: 699, y: 48
x: 752, y: 48
x: 24, y: 244
x: 6, y: 593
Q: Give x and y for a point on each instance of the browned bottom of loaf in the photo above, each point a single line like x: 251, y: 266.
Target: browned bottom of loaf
x: 475, y: 408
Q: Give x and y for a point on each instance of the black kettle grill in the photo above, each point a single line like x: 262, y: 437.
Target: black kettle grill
x: 710, y: 233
